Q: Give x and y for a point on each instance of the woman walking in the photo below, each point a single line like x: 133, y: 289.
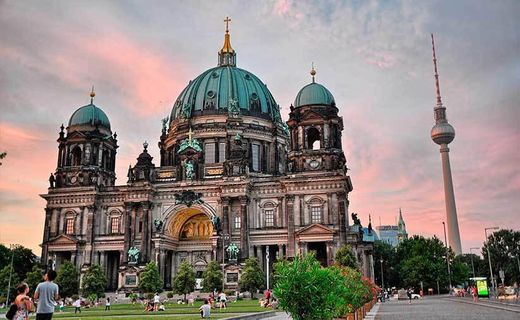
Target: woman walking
x: 23, y: 302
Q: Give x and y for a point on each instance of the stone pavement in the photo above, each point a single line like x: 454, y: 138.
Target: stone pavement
x: 440, y: 308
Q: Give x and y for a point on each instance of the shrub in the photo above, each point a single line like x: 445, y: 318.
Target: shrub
x: 308, y: 291
x: 169, y: 295
x: 184, y: 282
x: 94, y: 281
x: 68, y: 279
x: 345, y: 257
x: 212, y: 277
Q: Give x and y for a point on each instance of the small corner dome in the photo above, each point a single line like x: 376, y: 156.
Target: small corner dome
x: 89, y: 115
x: 314, y: 94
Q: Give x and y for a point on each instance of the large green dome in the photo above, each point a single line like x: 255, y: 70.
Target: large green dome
x: 89, y: 115
x: 314, y: 94
x: 215, y: 89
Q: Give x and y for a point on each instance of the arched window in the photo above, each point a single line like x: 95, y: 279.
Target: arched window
x: 313, y: 139
x: 76, y: 156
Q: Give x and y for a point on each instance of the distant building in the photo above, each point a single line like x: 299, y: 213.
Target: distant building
x: 392, y: 234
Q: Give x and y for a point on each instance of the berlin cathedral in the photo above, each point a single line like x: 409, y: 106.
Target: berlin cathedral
x: 234, y: 181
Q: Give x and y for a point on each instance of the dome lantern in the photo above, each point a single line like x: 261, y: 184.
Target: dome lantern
x: 227, y: 55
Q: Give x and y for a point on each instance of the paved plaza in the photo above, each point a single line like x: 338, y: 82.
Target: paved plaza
x: 438, y: 309
x: 442, y: 308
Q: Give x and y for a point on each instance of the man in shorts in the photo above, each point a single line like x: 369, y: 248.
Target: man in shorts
x: 46, y: 294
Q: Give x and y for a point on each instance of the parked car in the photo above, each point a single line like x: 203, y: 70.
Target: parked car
x: 415, y: 296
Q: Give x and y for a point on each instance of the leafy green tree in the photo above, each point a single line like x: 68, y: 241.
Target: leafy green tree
x: 4, y: 282
x: 150, y: 278
x: 5, y: 256
x: 308, y: 291
x: 252, y: 277
x: 384, y: 251
x: 68, y: 279
x: 504, y: 249
x: 34, y: 278
x: 423, y: 259
x: 184, y: 281
x: 480, y: 265
x: 2, y: 155
x: 212, y: 277
x: 345, y: 257
x: 94, y: 281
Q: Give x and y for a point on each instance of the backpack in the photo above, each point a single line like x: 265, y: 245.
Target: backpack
x: 12, y: 311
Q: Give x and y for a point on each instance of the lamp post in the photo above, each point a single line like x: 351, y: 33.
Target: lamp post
x: 382, y: 276
x: 267, y: 265
x: 12, y: 247
x: 224, y: 237
x: 447, y: 254
x: 471, y: 255
x: 489, y: 258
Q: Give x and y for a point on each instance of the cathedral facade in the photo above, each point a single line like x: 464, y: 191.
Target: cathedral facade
x: 234, y: 181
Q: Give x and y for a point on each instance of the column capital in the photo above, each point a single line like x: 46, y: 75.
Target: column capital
x: 244, y: 200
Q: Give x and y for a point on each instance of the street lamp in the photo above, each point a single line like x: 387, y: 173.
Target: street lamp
x: 12, y: 247
x: 489, y: 258
x: 382, y: 276
x: 267, y: 264
x: 447, y: 254
x: 224, y: 237
x: 471, y: 255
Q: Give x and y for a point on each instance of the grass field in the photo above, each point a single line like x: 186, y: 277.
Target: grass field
x: 173, y: 310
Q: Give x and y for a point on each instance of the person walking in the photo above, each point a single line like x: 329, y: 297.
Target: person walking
x: 223, y: 299
x: 107, y: 304
x: 77, y: 305
x: 23, y: 302
x: 409, y: 294
x: 156, y: 301
x: 46, y: 293
x: 474, y: 293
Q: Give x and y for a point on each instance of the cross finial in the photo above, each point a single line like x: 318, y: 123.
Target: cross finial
x: 227, y: 20
x: 190, y: 134
x: 92, y: 95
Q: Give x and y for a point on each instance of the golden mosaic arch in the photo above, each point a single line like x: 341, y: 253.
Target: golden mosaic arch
x: 190, y: 223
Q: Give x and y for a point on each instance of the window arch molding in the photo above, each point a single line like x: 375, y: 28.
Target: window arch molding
x: 315, y: 207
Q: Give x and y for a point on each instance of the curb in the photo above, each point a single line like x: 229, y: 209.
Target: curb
x: 254, y: 316
x: 485, y: 305
x: 373, y: 312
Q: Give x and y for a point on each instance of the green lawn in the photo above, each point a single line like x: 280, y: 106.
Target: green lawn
x: 173, y: 310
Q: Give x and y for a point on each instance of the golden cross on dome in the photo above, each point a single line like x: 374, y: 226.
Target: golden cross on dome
x: 190, y: 133
x: 227, y: 20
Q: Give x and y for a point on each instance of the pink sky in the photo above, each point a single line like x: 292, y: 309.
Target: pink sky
x: 374, y: 57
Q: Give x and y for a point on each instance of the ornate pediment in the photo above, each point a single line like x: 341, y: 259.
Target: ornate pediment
x: 315, y: 229
x: 311, y: 115
x: 63, y: 239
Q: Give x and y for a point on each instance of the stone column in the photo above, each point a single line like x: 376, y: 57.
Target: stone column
x: 289, y: 212
x: 329, y: 253
x: 244, y: 243
x: 162, y: 263
x: 46, y: 232
x: 225, y: 215
x: 342, y: 219
x: 300, y: 138
x: 89, y: 234
x: 326, y: 135
x: 144, y: 233
x: 128, y: 232
x: 102, y: 261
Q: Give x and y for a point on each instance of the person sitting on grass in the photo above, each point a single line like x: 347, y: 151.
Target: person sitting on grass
x: 149, y: 306
x: 205, y: 310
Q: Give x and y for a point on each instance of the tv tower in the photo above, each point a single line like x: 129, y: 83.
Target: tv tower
x: 442, y: 134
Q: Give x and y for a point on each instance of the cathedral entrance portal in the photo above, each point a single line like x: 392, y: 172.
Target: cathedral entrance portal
x: 320, y: 251
x: 191, y: 230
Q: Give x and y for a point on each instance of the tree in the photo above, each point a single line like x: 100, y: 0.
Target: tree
x: 423, y: 260
x: 5, y: 256
x: 385, y: 251
x: 504, y: 249
x: 23, y: 261
x: 357, y: 291
x: 308, y: 291
x: 68, y: 279
x: 33, y: 278
x: 94, y: 281
x: 252, y: 277
x: 150, y: 278
x: 184, y: 281
x: 212, y: 277
x: 345, y: 257
x: 4, y: 282
x: 2, y: 155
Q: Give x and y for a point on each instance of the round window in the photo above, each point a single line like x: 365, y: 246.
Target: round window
x: 211, y: 94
